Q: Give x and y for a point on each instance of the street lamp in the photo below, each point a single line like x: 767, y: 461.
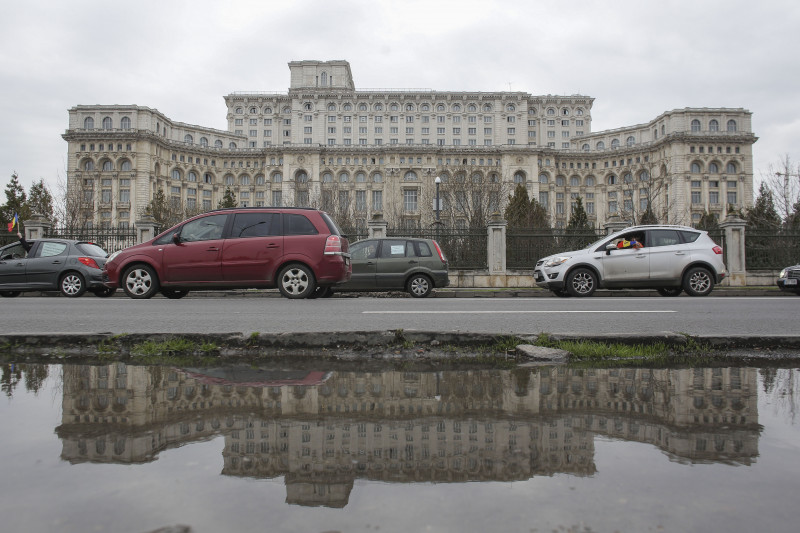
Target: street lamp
x: 437, y: 181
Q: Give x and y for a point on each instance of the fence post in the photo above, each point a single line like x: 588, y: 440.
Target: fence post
x: 496, y: 245
x: 734, y: 228
x: 377, y: 226
x: 145, y: 229
x: 615, y: 223
x: 37, y: 227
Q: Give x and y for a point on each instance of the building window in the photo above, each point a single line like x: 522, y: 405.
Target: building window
x: 713, y: 125
x: 410, y: 200
x: 696, y: 195
x: 377, y: 200
x: 731, y: 126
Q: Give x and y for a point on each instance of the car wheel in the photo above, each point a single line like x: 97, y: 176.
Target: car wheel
x: 72, y: 285
x: 174, y: 294
x: 296, y: 281
x: 561, y: 294
x: 10, y: 294
x: 581, y: 282
x: 670, y: 291
x: 419, y: 286
x: 698, y: 282
x: 105, y: 292
x: 140, y: 282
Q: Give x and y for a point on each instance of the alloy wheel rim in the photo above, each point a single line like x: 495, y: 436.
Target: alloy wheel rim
x: 419, y: 286
x: 582, y: 283
x: 71, y: 285
x: 295, y: 281
x: 699, y: 282
x: 138, y: 282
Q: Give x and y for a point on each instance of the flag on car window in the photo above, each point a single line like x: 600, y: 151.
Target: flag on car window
x: 13, y: 223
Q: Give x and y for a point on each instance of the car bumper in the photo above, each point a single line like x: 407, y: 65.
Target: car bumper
x: 548, y: 280
x: 793, y: 286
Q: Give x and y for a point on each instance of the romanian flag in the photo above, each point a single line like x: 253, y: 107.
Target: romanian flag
x: 13, y: 223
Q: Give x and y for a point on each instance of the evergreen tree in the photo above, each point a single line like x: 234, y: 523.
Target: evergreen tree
x: 539, y: 218
x: 165, y: 213
x: 793, y: 220
x: 41, y: 201
x: 578, y: 220
x: 708, y: 222
x: 763, y: 214
x: 16, y: 203
x: 518, y: 209
x: 228, y: 199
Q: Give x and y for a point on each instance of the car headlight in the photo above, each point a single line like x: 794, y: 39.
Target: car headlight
x: 557, y: 261
x: 112, y: 256
x: 782, y: 274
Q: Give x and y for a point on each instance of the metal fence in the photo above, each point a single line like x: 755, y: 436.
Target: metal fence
x: 524, y: 248
x: 771, y: 250
x: 464, y: 248
x: 109, y: 239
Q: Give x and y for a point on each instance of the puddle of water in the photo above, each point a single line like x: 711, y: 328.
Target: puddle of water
x: 135, y: 448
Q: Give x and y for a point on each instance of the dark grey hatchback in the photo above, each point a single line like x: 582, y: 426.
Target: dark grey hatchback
x: 414, y: 265
x: 69, y: 266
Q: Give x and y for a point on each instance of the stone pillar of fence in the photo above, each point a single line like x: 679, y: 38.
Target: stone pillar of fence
x: 37, y: 227
x: 615, y: 223
x: 734, y: 228
x: 496, y: 245
x: 146, y: 228
x: 377, y: 226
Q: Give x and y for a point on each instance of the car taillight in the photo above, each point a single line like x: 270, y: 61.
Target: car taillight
x: 439, y: 251
x: 89, y: 262
x: 333, y: 245
x: 717, y: 250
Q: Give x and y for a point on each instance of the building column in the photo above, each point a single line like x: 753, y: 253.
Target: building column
x: 614, y: 224
x: 37, y: 227
x: 377, y: 226
x: 496, y: 244
x: 146, y: 229
x: 734, y: 228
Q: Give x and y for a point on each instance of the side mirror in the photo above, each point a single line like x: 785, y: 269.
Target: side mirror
x: 610, y: 246
x: 176, y: 238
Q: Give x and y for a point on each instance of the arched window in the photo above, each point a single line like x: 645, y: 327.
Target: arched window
x: 287, y: 110
x: 308, y: 106
x: 531, y: 110
x: 695, y: 168
x: 347, y: 107
x: 611, y: 180
x: 277, y: 177
x: 614, y: 143
x: 203, y: 142
x: 188, y: 139
x: 107, y: 165
x: 410, y: 176
x: 600, y: 145
x: 440, y: 108
x: 208, y: 178
x: 551, y: 112
x: 565, y: 111
x: 362, y: 107
x: 125, y: 165
x: 472, y: 108
x: 394, y: 107
x: 379, y: 107
x: 519, y: 177
x: 630, y: 141
x: 239, y: 110
x: 331, y: 107
x: 426, y: 107
x: 487, y: 108
x: 543, y: 179
x: 301, y: 176
x: 176, y: 174
x: 579, y: 111
x: 344, y: 177
x: 713, y: 168
x: 560, y: 181
x: 253, y: 110
x: 267, y: 110
x: 125, y: 123
x: 695, y: 126
x: 88, y: 123
x: 574, y: 181
x: 477, y: 177
x: 511, y: 108
x: 229, y: 180
x: 585, y: 147
x: 107, y: 124
x: 231, y: 145
x: 627, y: 177
x: 730, y: 168
x: 327, y: 177
x: 644, y: 176
x: 590, y: 181
x: 191, y: 177
x: 377, y: 177
x: 713, y: 125
x: 732, y: 125
x: 457, y: 108
x: 88, y: 165
x: 361, y: 177
x: 244, y: 180
x: 260, y: 179
x: 409, y: 107
x: 217, y: 144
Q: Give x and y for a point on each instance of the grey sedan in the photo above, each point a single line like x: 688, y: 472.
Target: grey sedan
x: 69, y: 266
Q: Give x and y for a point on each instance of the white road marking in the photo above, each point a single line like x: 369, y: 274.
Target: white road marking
x: 495, y: 312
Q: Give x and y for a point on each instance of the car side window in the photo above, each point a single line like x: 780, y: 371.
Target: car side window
x: 690, y: 236
x: 13, y: 252
x: 255, y: 225
x: 663, y: 237
x: 204, y: 229
x: 391, y: 249
x: 364, y: 250
x: 423, y: 250
x: 295, y: 224
x: 52, y: 249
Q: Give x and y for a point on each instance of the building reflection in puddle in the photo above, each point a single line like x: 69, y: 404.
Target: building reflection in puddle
x: 323, y: 430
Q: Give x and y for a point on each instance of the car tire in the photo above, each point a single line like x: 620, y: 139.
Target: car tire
x: 10, y: 294
x: 670, y: 291
x: 72, y: 285
x: 560, y: 294
x: 419, y: 286
x: 174, y: 294
x: 140, y: 282
x: 581, y: 282
x: 296, y: 281
x: 698, y: 281
x: 105, y: 292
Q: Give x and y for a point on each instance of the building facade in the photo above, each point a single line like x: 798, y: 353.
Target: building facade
x: 358, y: 152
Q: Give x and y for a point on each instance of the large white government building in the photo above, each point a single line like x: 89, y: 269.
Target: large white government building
x: 358, y: 152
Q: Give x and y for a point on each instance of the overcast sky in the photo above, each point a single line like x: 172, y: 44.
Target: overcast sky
x: 637, y: 58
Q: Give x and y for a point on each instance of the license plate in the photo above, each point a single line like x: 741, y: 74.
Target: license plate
x: 790, y: 282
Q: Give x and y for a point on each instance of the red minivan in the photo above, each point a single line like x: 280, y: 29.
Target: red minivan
x: 295, y: 249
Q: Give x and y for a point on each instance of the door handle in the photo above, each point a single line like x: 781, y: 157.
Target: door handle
x: 412, y: 262
x: 56, y: 262
x: 272, y: 245
x: 212, y: 249
x: 641, y: 255
x: 680, y: 253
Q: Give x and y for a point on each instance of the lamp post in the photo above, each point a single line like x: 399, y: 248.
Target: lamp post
x: 437, y: 181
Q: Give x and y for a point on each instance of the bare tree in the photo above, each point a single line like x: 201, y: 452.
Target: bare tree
x: 74, y: 204
x: 783, y: 181
x: 467, y: 200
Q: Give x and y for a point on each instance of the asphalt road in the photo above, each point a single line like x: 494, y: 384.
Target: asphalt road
x: 699, y: 316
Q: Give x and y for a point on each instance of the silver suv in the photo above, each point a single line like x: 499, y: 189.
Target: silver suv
x: 671, y: 259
